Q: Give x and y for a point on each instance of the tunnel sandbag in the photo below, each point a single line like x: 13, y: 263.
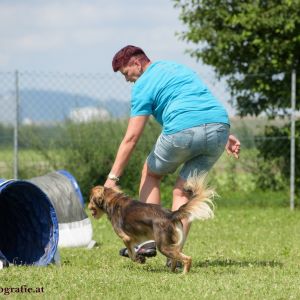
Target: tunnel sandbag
x: 29, y: 231
x: 75, y: 228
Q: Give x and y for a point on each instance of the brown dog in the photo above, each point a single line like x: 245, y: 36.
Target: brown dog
x: 135, y: 221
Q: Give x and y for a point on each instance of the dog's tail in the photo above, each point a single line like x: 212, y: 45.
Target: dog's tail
x: 200, y: 205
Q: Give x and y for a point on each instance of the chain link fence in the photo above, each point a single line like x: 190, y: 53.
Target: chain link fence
x: 49, y: 100
x: 37, y: 107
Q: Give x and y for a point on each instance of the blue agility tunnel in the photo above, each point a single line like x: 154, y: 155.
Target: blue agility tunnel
x: 39, y: 215
x: 28, y: 224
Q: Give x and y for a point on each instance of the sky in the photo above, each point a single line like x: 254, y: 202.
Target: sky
x: 82, y: 36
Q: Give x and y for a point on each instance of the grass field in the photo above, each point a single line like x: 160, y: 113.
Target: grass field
x: 248, y: 253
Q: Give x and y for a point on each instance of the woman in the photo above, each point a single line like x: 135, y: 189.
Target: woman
x: 195, y: 126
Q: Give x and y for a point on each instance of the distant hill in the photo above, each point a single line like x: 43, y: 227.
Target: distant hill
x: 46, y: 106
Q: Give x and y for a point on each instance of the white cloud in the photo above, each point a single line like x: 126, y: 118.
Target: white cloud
x: 39, y: 42
x: 41, y: 25
x: 83, y: 36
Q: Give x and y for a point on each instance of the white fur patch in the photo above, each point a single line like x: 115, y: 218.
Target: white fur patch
x: 179, y: 230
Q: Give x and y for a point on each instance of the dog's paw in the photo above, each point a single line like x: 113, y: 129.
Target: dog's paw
x: 140, y: 259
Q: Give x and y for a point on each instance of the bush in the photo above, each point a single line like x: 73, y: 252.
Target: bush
x: 275, y: 159
x: 88, y: 150
x: 6, y: 135
x: 91, y: 148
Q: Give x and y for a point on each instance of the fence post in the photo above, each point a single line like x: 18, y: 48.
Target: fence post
x: 293, y: 152
x: 16, y: 127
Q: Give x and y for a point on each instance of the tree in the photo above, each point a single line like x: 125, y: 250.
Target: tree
x: 253, y: 43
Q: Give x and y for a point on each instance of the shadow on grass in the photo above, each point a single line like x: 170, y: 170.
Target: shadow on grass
x: 162, y: 268
x: 236, y: 263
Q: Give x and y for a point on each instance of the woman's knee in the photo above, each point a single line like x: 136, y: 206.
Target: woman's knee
x: 146, y: 172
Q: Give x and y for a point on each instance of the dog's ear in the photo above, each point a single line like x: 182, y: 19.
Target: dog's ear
x: 97, y: 195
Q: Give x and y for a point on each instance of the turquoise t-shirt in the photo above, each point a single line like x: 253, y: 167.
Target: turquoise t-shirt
x: 176, y: 97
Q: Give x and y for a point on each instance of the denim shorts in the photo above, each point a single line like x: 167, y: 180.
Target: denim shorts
x: 196, y: 149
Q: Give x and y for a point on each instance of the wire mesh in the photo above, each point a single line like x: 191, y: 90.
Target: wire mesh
x: 50, y: 102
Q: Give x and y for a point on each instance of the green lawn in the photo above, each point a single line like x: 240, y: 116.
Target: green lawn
x: 248, y: 253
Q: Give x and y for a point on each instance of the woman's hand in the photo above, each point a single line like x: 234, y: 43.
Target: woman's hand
x: 233, y: 146
x: 109, y: 183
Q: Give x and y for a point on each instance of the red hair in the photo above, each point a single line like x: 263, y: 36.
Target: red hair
x: 123, y: 56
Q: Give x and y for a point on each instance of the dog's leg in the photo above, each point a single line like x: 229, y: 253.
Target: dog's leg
x: 132, y: 254
x: 170, y: 243
x: 130, y: 247
x: 175, y: 255
x: 129, y: 244
x: 187, y: 262
x: 184, y: 259
x: 173, y: 264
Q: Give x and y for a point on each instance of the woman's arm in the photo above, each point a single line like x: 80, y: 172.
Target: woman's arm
x: 134, y: 131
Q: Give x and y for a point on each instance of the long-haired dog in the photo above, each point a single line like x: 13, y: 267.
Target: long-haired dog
x: 135, y: 221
